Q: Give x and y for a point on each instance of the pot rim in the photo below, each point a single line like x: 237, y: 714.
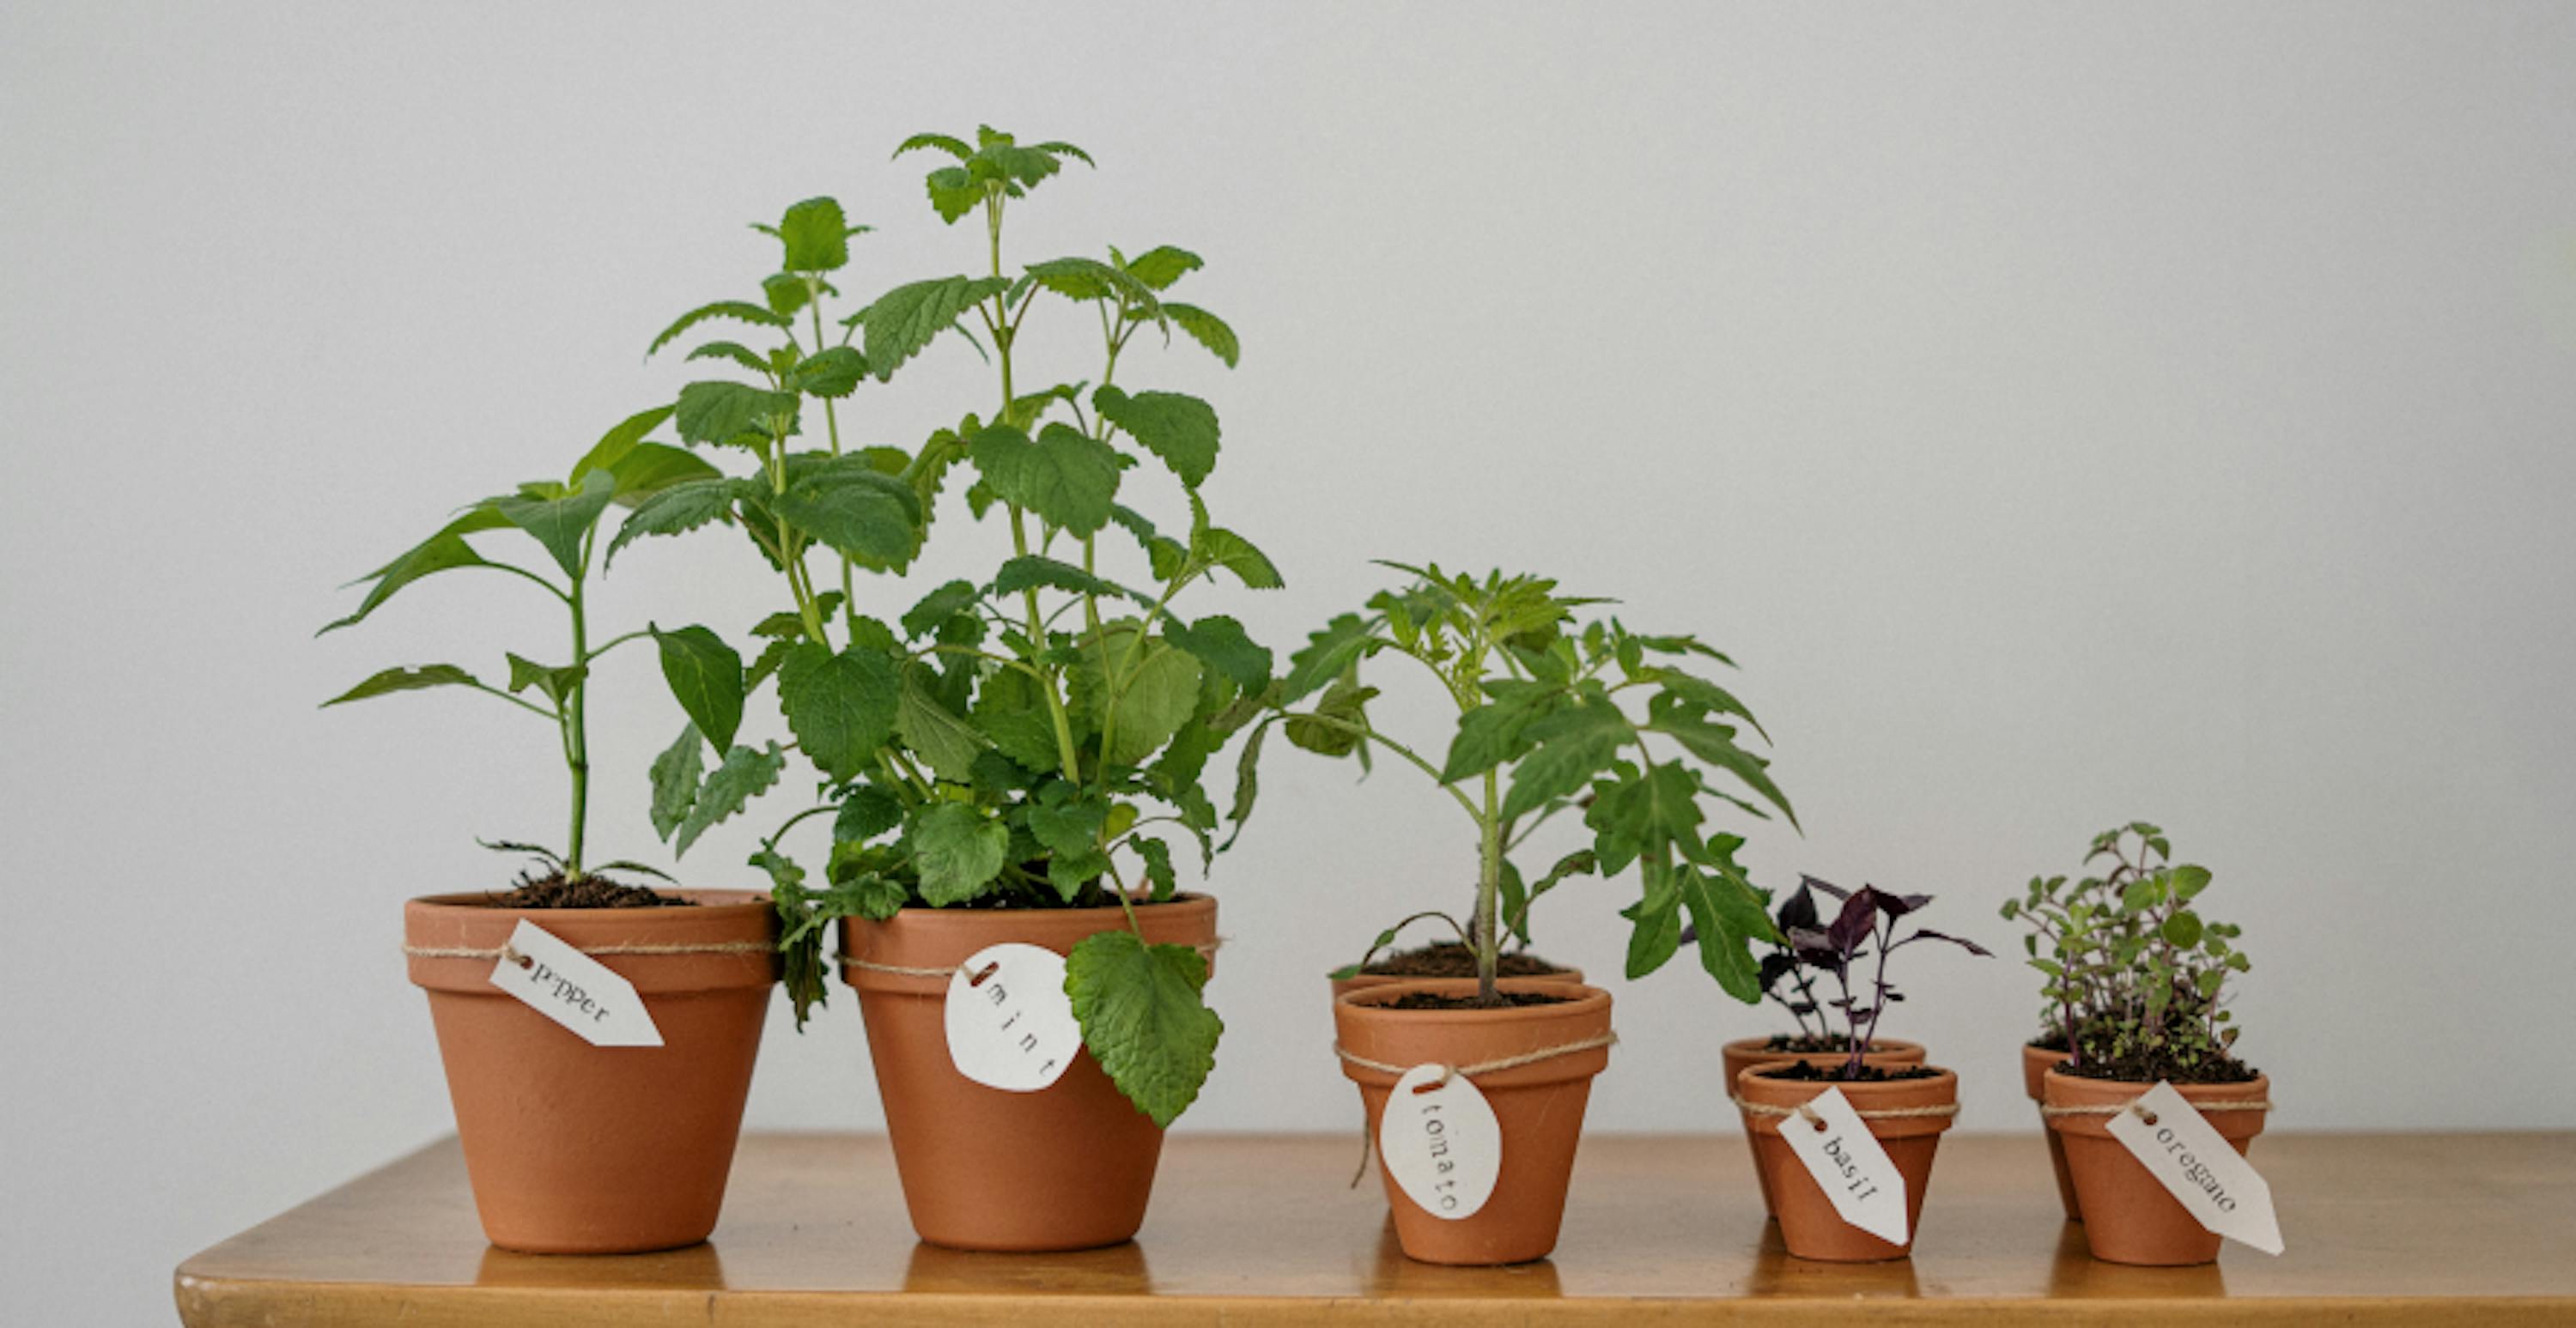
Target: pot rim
x: 1942, y: 1087
x: 926, y: 938
x: 1749, y: 1046
x: 473, y: 921
x: 1365, y: 1006
x: 711, y: 903
x: 2055, y: 1088
x: 1372, y: 999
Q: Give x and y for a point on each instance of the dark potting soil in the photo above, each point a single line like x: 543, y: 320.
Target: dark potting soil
x: 2141, y: 1068
x: 1449, y: 959
x: 553, y: 891
x: 2053, y: 1040
x: 1425, y: 1000
x: 1804, y: 1043
x: 1809, y: 1072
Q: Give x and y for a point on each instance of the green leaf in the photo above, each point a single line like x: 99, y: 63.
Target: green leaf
x: 676, y: 773
x: 562, y: 524
x: 1574, y: 744
x: 736, y: 310
x: 1345, y: 701
x: 1226, y: 551
x: 1208, y: 330
x: 954, y: 192
x: 1247, y: 781
x: 1494, y: 732
x: 941, y: 142
x: 1087, y: 279
x: 1166, y: 555
x: 866, y: 814
x: 746, y: 773
x: 1012, y: 711
x: 1658, y: 917
x: 1715, y: 744
x: 620, y: 440
x: 1158, y: 867
x: 910, y: 317
x: 1155, y: 695
x: 956, y: 851
x: 441, y: 552
x: 1143, y: 1019
x: 407, y: 680
x: 650, y: 468
x: 1727, y: 916
x: 850, y: 505
x: 677, y: 509
x: 706, y: 679
x: 1180, y: 429
x: 786, y: 292
x: 938, y: 607
x: 832, y: 372
x: 948, y: 743
x: 1329, y: 653
x: 1220, y: 643
x: 1069, y: 825
x: 1162, y: 265
x: 842, y: 708
x: 554, y: 682
x: 720, y: 412
x: 1032, y: 570
x: 817, y: 236
x: 734, y: 352
x: 1066, y: 476
x: 2183, y: 929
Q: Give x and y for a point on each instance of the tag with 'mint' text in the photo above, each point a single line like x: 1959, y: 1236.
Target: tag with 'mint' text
x: 1010, y: 1024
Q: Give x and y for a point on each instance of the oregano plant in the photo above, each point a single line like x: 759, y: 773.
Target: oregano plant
x: 1549, y: 722
x: 562, y: 517
x: 1027, y: 738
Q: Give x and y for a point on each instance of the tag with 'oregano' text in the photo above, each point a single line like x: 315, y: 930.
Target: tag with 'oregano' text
x: 1440, y: 1141
x: 1010, y: 1024
x: 1854, y: 1172
x: 2198, y: 1166
x: 573, y: 989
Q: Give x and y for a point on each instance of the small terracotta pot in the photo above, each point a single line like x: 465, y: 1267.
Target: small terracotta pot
x: 1069, y: 1167
x: 2128, y: 1216
x: 2036, y: 1062
x: 1539, y: 1106
x: 576, y: 1149
x: 1744, y: 1053
x: 1809, y: 1226
x: 1362, y: 981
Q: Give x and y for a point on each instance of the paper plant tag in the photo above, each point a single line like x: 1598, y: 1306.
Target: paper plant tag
x: 1855, y: 1173
x: 1441, y: 1144
x: 573, y: 989
x: 2197, y: 1166
x: 1010, y: 1025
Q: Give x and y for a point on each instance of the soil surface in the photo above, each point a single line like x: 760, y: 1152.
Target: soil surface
x: 553, y: 891
x: 1802, y: 1043
x: 1426, y: 1000
x: 2052, y: 1040
x: 2144, y: 1069
x: 1808, y: 1072
x: 1449, y: 959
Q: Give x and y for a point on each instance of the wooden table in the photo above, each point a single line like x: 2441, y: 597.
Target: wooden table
x: 2416, y: 1229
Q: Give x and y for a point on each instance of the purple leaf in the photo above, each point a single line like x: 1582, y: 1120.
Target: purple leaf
x: 1811, y: 883
x: 1800, y: 911
x: 1927, y: 934
x: 1853, y: 925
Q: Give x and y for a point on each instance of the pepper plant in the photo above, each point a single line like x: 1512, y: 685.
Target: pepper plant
x: 1017, y: 739
x: 563, y: 518
x: 2134, y: 973
x: 1864, y: 928
x: 1541, y: 730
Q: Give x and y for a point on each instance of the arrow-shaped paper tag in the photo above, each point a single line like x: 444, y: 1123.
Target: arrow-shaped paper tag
x: 1854, y: 1172
x: 2199, y: 1167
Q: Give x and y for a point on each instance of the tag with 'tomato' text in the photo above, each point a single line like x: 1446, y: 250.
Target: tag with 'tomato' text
x: 1440, y: 1141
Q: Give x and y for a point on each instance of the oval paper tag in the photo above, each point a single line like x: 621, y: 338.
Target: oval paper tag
x: 1442, y: 1145
x: 1010, y: 1025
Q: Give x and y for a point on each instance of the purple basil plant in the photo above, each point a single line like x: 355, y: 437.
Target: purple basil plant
x: 1864, y: 929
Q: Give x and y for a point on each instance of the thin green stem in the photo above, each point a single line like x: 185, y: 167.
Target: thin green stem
x: 1364, y: 731
x: 550, y: 587
x: 615, y: 642
x: 1489, y: 891
x: 576, y: 722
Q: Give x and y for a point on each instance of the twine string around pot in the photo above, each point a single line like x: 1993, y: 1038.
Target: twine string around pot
x: 508, y: 952
x: 898, y: 970
x: 1368, y: 1139
x: 1808, y: 1114
x: 2136, y: 1106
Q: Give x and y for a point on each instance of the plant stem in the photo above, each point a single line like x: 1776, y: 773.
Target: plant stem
x: 1489, y: 891
x: 832, y: 422
x: 576, y: 726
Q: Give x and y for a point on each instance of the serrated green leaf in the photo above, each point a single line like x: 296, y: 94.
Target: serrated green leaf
x: 1143, y: 1019
x: 1328, y: 653
x: 1247, y: 781
x: 1162, y: 265
x: 941, y: 142
x: 910, y: 317
x: 562, y: 524
x: 745, y: 773
x: 835, y: 371
x: 1494, y: 733
x: 1726, y: 916
x: 705, y: 676
x: 841, y: 707
x: 1221, y: 643
x: 1155, y: 695
x: 676, y: 773
x: 1158, y: 867
x: 1657, y: 934
x: 956, y: 851
x: 1034, y: 570
x: 1180, y: 429
x: 1574, y: 744
x: 856, y: 509
x: 1069, y: 826
x: 866, y: 814
x: 407, y: 680
x: 720, y: 412
x: 621, y: 439
x: 1087, y: 279
x: 936, y: 734
x: 441, y: 552
x: 736, y: 310
x: 1066, y: 476
x: 552, y: 681
x: 1208, y: 330
x: 1224, y: 550
x: 954, y: 192
x: 677, y: 509
x: 1167, y: 556
x: 1715, y: 744
x: 1012, y: 711
x: 733, y: 352
x: 817, y: 235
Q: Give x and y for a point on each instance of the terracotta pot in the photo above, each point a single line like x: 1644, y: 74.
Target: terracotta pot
x: 2128, y: 1216
x: 1809, y: 1226
x: 2036, y: 1062
x: 1539, y: 1106
x: 576, y: 1149
x: 1744, y: 1053
x: 1069, y: 1167
x: 1361, y: 981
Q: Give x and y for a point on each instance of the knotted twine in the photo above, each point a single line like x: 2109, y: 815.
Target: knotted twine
x: 506, y: 951
x: 2133, y: 1107
x: 1808, y: 1114
x: 1368, y: 1139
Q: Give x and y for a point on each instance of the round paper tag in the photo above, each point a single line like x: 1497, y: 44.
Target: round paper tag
x: 1442, y: 1145
x: 1010, y: 1025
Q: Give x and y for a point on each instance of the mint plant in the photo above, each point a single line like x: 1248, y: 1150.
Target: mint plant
x: 2136, y: 978
x: 1864, y: 928
x: 563, y: 518
x: 1541, y: 731
x: 1025, y: 739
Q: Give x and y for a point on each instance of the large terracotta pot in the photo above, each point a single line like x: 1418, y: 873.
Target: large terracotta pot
x: 2128, y: 1216
x: 2036, y: 1062
x: 1809, y: 1226
x: 1744, y: 1053
x: 576, y: 1149
x: 1539, y: 1106
x: 1068, y: 1167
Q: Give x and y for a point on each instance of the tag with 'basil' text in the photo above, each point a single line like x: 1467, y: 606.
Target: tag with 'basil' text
x: 1854, y: 1172
x: 1010, y: 1023
x: 1440, y: 1141
x: 2198, y: 1166
x: 573, y: 989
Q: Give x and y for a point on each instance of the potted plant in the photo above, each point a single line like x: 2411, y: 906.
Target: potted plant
x: 573, y: 1147
x: 1541, y: 731
x: 1905, y: 1107
x: 1789, y: 981
x: 2136, y: 990
x: 1002, y: 761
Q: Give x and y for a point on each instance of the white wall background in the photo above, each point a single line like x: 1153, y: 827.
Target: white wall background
x: 2066, y: 414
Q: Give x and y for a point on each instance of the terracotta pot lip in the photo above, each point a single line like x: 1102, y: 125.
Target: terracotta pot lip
x: 711, y: 903
x: 1369, y: 1003
x: 1942, y: 1082
x: 2085, y: 1085
x: 1752, y: 1046
x: 918, y: 913
x: 2034, y: 1050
